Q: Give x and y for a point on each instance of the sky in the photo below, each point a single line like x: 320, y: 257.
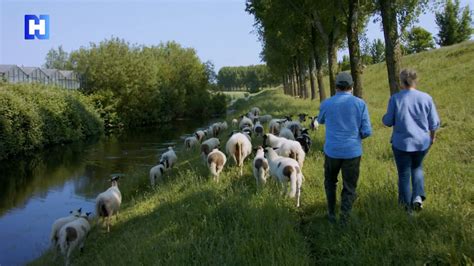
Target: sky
x: 219, y: 30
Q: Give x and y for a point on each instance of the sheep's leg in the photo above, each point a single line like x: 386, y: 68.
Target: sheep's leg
x: 117, y: 215
x: 298, y: 192
x: 108, y: 224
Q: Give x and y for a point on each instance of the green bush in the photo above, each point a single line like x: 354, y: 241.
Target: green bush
x: 33, y: 116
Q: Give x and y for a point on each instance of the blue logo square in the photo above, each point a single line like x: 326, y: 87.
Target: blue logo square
x: 36, y: 27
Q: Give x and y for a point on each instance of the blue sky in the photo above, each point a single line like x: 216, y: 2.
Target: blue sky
x: 220, y: 30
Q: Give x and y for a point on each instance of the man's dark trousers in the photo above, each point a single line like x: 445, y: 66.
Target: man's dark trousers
x: 350, y: 175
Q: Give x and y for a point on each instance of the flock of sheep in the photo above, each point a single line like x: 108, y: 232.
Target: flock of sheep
x: 281, y: 155
x: 70, y: 232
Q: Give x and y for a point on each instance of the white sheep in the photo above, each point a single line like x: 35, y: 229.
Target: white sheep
x: 260, y: 167
x: 156, y: 172
x: 208, y: 145
x: 287, y: 148
x: 215, y: 129
x: 215, y: 162
x: 169, y: 158
x: 200, y: 135
x: 295, y: 127
x: 235, y: 123
x: 73, y: 234
x: 265, y: 119
x: 286, y: 133
x: 54, y: 237
x: 272, y: 140
x: 255, y: 111
x: 284, y: 169
x: 239, y: 147
x: 275, y: 125
x: 245, y: 122
x: 108, y: 202
x: 292, y: 149
x: 190, y: 142
x: 258, y: 129
x: 223, y: 126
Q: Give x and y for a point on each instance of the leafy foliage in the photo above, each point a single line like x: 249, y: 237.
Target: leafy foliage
x: 58, y: 59
x: 138, y: 85
x: 251, y: 78
x: 418, y: 40
x: 454, y: 26
x: 33, y: 116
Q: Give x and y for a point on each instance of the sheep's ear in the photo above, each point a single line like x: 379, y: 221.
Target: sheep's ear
x: 79, y: 210
x: 88, y: 213
x: 70, y: 212
x: 275, y: 148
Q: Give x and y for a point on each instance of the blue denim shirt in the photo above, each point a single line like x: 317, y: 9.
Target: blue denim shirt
x: 347, y: 123
x: 413, y: 115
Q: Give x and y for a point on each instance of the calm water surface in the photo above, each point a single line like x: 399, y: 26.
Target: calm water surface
x: 37, y: 189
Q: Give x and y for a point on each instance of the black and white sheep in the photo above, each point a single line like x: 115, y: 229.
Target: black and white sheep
x: 157, y: 172
x: 208, y: 145
x: 215, y: 162
x: 73, y: 235
x: 260, y: 167
x: 314, y: 123
x: 305, y: 140
x: 245, y: 122
x: 108, y: 202
x: 286, y: 148
x: 284, y: 170
x: 169, y: 158
x: 190, y: 142
x: 200, y: 135
x: 258, y: 129
x: 59, y: 223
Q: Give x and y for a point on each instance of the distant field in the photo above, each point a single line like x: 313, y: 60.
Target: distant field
x: 191, y: 220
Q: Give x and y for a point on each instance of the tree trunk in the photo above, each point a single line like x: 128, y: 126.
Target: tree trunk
x: 332, y: 65
x: 311, y: 77
x: 298, y: 84
x: 320, y: 76
x: 392, y: 44
x: 354, y: 47
x: 301, y: 72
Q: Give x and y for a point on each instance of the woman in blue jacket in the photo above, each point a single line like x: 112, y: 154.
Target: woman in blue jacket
x: 413, y: 116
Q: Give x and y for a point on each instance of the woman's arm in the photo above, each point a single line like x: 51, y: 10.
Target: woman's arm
x: 389, y: 118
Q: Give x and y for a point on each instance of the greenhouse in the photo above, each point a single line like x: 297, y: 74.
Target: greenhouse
x: 62, y: 78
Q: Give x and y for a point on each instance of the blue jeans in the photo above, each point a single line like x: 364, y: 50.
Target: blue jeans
x: 410, y: 164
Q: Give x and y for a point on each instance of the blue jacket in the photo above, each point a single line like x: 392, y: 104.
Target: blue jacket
x: 347, y: 123
x: 413, y: 115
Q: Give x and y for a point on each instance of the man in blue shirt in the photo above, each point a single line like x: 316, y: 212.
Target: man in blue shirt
x: 347, y: 122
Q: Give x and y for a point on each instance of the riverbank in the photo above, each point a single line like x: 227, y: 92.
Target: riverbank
x: 189, y: 219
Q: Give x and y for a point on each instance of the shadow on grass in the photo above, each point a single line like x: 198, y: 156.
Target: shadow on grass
x: 381, y: 232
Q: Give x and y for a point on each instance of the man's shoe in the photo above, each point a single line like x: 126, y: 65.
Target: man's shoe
x: 418, y: 203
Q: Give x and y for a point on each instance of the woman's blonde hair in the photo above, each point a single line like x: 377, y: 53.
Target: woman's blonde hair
x: 408, y: 77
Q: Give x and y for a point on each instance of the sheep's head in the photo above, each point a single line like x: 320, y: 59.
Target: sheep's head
x: 114, y: 180
x: 76, y: 213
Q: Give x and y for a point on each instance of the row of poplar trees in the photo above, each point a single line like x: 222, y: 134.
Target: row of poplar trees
x: 302, y: 36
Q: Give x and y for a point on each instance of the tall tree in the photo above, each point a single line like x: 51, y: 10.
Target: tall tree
x: 356, y: 20
x: 454, y: 26
x: 396, y: 15
x: 58, y: 59
x: 418, y: 40
x: 377, y: 51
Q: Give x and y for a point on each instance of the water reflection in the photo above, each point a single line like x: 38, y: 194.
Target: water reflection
x: 38, y: 188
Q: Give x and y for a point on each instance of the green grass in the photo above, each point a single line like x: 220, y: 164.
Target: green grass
x: 191, y: 220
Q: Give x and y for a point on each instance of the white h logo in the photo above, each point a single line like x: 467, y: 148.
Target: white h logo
x: 41, y: 27
x: 36, y: 27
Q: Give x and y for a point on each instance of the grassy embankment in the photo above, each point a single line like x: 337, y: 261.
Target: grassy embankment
x: 191, y: 220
